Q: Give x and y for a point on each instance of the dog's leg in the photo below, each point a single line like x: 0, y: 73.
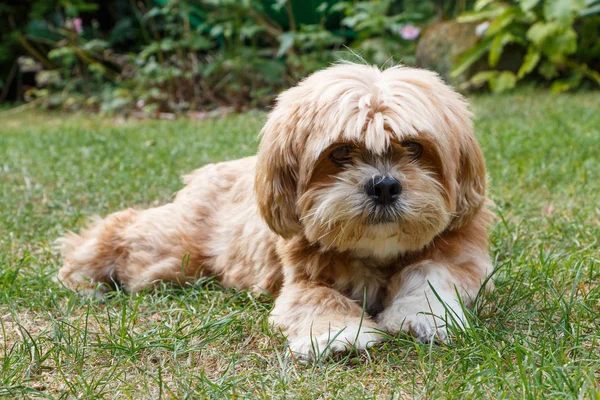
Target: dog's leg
x: 426, y: 297
x: 131, y: 248
x: 319, y: 320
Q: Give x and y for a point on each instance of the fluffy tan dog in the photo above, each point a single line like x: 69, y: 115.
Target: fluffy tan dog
x: 364, y: 211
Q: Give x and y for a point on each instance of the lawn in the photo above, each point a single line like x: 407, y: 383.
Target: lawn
x: 537, y: 336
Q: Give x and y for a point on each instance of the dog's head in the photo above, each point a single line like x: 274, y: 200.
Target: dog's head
x: 368, y: 160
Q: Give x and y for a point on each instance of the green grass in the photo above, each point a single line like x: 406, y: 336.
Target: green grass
x: 536, y: 336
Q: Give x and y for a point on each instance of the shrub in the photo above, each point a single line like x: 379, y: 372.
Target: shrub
x: 179, y: 55
x: 560, y: 38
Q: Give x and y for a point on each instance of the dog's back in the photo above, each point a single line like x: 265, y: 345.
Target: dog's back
x: 211, y: 228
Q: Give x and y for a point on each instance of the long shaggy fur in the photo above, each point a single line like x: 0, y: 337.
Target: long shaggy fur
x: 295, y: 222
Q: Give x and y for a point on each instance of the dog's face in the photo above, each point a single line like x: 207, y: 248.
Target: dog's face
x: 356, y: 196
x: 375, y: 162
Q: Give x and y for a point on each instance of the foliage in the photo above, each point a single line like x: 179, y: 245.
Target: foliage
x: 174, y: 56
x: 179, y: 55
x: 560, y: 38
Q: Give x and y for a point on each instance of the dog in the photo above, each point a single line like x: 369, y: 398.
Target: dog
x: 364, y: 213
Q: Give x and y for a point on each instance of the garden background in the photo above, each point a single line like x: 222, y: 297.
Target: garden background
x: 149, y: 57
x: 106, y: 103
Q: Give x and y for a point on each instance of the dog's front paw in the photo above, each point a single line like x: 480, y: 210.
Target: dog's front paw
x: 425, y: 325
x: 316, y: 347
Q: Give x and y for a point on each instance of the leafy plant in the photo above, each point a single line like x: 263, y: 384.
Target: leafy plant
x: 173, y: 56
x: 378, y: 25
x: 552, y: 32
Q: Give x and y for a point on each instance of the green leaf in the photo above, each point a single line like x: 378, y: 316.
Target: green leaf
x: 481, y: 4
x: 198, y: 42
x: 563, y: 11
x: 473, y: 16
x: 559, y: 45
x: 548, y: 70
x: 39, y: 29
x: 503, y: 20
x: 122, y: 31
x: 563, y: 85
x: 532, y: 58
x: 590, y: 73
x: 497, y: 47
x: 167, y: 44
x: 95, y: 45
x: 217, y: 30
x: 586, y: 71
x: 528, y: 5
x: 353, y: 20
x: 471, y: 56
x: 249, y: 31
x: 560, y: 86
x: 483, y: 77
x: 273, y: 70
x: 286, y: 41
x: 65, y: 55
x: 541, y: 31
x: 504, y: 81
x: 554, y: 40
x: 590, y: 10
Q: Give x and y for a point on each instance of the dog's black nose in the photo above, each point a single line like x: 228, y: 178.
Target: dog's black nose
x: 383, y: 189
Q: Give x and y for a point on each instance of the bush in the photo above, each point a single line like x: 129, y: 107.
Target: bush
x: 179, y: 55
x: 175, y: 56
x: 560, y: 38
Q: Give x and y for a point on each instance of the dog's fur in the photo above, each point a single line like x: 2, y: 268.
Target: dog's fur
x: 296, y: 221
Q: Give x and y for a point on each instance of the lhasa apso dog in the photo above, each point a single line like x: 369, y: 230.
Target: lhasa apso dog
x: 364, y: 212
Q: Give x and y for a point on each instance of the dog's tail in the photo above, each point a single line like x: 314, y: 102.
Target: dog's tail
x: 92, y: 257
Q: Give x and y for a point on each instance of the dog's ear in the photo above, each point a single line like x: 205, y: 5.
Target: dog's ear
x: 275, y: 182
x: 471, y: 181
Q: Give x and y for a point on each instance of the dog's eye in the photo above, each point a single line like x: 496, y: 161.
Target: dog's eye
x: 341, y: 155
x: 414, y: 149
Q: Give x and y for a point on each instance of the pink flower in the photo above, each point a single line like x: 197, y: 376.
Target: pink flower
x: 78, y: 25
x: 409, y: 32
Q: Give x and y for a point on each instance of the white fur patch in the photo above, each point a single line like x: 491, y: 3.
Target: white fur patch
x: 381, y: 241
x: 426, y: 321
x: 351, y: 337
x: 418, y: 310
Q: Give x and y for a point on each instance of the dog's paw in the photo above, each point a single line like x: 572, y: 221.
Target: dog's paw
x: 316, y: 347
x: 424, y: 325
x: 425, y: 328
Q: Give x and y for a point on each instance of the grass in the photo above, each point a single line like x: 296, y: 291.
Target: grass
x: 536, y: 336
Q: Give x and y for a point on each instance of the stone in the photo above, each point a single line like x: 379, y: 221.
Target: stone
x: 442, y: 44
